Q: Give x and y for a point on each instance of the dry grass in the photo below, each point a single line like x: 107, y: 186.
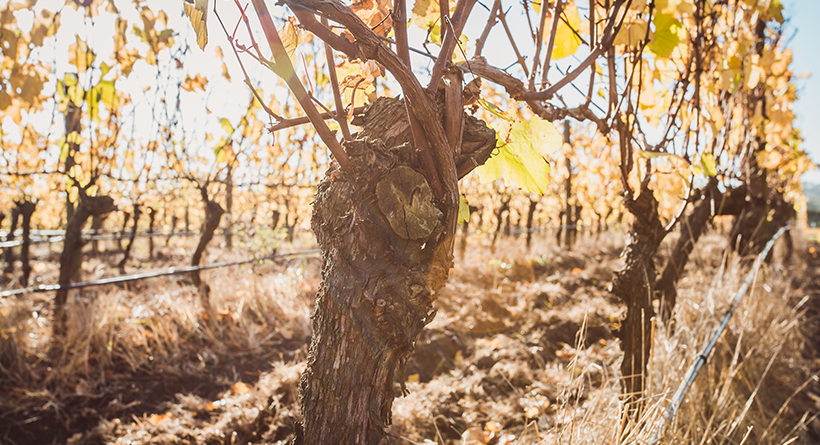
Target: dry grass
x: 520, y: 353
x: 753, y: 389
x: 129, y: 350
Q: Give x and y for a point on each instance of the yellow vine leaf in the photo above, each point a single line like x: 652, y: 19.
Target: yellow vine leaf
x: 80, y: 55
x: 707, y: 164
x: 776, y: 10
x: 631, y: 34
x: 197, y: 82
x: 291, y: 36
x: 567, y: 41
x: 376, y: 14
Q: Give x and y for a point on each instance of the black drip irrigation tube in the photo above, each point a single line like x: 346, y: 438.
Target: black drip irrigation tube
x: 703, y: 356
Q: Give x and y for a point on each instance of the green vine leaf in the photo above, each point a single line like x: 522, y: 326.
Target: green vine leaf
x: 707, y: 163
x: 668, y: 32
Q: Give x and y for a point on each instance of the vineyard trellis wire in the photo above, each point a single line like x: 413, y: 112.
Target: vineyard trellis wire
x: 162, y: 273
x: 183, y: 270
x: 56, y: 236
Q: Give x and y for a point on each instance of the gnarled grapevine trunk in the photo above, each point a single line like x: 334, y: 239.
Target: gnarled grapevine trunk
x: 633, y: 283
x: 152, y: 214
x: 27, y: 209
x: 125, y: 218
x: 96, y: 229
x: 383, y: 240
x: 173, y: 230
x: 758, y: 221
x: 131, y: 237
x: 560, y: 230
x: 9, y: 252
x: 465, y: 229
x: 213, y: 214
x: 499, y: 216
x: 71, y: 259
x: 691, y: 228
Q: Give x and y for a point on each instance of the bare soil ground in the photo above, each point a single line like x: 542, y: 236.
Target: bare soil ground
x: 522, y: 351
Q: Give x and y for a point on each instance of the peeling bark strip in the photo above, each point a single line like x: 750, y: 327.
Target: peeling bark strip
x: 381, y: 234
x: 633, y: 284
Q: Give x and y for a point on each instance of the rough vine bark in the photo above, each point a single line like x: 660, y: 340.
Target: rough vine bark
x: 383, y: 239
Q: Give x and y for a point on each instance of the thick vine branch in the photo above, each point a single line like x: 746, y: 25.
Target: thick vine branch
x: 320, y: 30
x: 419, y: 138
x: 340, y: 116
x: 460, y: 15
x: 371, y: 47
x: 284, y: 69
x: 519, y: 91
x: 539, y: 38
